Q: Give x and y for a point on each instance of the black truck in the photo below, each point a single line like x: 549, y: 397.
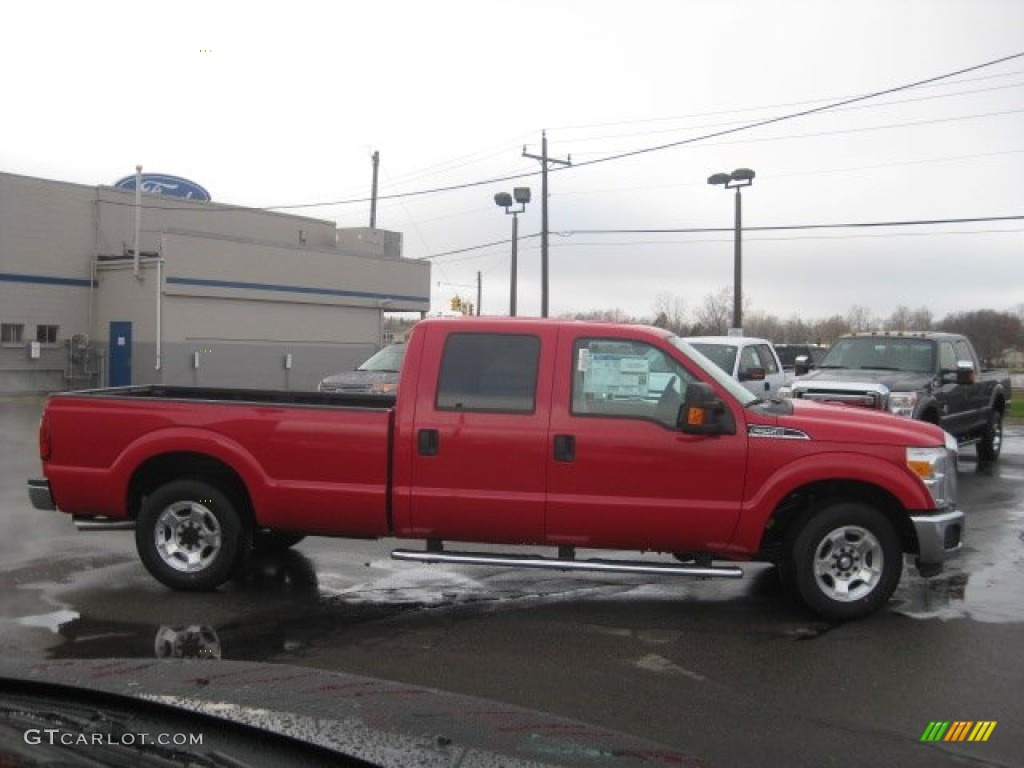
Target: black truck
x: 929, y: 376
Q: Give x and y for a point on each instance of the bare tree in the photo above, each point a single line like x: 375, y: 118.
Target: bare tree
x: 859, y: 318
x: 991, y: 332
x: 615, y: 315
x: 670, y: 312
x: 715, y: 313
x: 899, y: 320
x: 921, y: 319
x: 828, y: 330
x: 763, y: 326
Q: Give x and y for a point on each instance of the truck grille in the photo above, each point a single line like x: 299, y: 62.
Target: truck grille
x: 874, y: 396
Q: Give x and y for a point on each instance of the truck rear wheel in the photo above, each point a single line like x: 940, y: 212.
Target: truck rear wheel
x: 992, y: 440
x: 846, y: 561
x: 190, y: 535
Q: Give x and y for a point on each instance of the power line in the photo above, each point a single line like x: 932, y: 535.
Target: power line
x: 768, y: 106
x: 624, y: 155
x: 707, y: 230
x: 794, y: 227
x: 801, y: 113
x: 677, y: 129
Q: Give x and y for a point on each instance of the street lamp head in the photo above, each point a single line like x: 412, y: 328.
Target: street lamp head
x: 719, y: 178
x: 503, y: 199
x: 742, y: 174
x: 522, y: 195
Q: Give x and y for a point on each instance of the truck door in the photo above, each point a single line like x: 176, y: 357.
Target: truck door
x: 620, y: 474
x: 480, y: 437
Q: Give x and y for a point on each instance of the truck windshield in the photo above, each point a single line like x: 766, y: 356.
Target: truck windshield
x: 723, y: 355
x: 882, y: 353
x: 710, y: 367
x: 388, y: 359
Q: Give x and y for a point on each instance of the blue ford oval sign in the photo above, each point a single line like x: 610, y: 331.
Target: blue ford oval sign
x: 164, y: 184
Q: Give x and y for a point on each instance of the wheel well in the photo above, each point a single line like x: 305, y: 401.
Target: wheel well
x: 167, y: 467
x: 795, y: 508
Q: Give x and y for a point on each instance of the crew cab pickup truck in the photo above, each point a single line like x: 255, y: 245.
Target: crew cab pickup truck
x: 517, y: 432
x: 929, y: 376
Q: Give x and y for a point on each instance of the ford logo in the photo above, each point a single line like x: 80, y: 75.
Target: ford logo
x: 163, y: 184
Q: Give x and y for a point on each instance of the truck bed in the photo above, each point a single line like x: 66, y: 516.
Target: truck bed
x: 310, y: 461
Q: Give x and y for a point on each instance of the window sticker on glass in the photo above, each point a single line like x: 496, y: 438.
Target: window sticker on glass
x: 617, y: 376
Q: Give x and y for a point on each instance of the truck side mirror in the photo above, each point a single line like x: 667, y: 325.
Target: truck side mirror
x: 704, y: 413
x: 801, y: 365
x: 752, y: 374
x: 964, y: 372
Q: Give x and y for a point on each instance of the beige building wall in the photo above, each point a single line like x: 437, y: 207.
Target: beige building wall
x: 275, y: 297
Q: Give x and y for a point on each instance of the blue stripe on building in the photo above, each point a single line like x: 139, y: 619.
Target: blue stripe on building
x: 77, y: 282
x: 290, y: 289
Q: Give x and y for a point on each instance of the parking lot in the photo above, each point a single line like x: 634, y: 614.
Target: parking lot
x: 730, y: 672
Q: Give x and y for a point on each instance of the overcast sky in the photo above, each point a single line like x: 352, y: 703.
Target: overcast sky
x: 283, y: 104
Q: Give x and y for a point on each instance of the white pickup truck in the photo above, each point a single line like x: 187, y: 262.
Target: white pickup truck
x: 751, y: 361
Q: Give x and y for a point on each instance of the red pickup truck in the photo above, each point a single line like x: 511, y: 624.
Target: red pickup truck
x: 517, y: 432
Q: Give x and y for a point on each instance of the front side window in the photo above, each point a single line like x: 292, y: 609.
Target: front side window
x: 963, y: 351
x: 626, y: 379
x: 767, y: 359
x: 947, y: 357
x: 489, y: 372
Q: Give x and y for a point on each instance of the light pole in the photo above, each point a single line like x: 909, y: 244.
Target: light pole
x: 741, y: 177
x: 521, y: 195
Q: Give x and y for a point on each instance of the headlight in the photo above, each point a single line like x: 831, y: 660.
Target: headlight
x: 903, y: 403
x: 785, y: 392
x: 383, y: 388
x: 937, y: 469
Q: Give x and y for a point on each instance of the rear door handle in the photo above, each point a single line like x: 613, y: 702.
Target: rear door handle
x: 428, y: 441
x: 565, y: 447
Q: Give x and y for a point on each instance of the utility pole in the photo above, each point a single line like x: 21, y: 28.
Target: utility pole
x: 373, y: 193
x: 479, y: 292
x: 545, y: 162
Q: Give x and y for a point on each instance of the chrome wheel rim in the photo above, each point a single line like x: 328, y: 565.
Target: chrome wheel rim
x: 187, y: 536
x: 848, y: 563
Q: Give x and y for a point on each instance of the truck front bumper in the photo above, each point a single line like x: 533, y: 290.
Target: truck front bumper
x: 939, y: 536
x: 39, y: 494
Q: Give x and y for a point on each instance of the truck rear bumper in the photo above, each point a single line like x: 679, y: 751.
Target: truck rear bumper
x: 939, y: 535
x: 39, y: 494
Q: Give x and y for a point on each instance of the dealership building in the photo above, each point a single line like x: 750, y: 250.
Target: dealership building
x: 214, y: 295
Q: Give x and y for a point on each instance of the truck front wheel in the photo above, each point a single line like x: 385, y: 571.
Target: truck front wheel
x: 846, y: 561
x: 190, y: 535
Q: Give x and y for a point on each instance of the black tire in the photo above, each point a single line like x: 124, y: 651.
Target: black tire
x: 992, y: 440
x: 846, y: 561
x: 275, y: 541
x: 190, y: 535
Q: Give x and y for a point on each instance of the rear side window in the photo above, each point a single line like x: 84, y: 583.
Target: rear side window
x: 489, y: 372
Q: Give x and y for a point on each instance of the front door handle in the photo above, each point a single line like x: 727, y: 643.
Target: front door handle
x: 565, y: 447
x: 428, y: 441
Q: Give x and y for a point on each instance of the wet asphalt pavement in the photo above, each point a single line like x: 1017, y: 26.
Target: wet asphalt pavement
x: 728, y: 671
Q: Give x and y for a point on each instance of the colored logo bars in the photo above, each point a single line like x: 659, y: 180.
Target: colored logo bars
x: 959, y: 730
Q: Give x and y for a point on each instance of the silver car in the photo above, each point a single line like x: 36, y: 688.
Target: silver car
x: 378, y: 375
